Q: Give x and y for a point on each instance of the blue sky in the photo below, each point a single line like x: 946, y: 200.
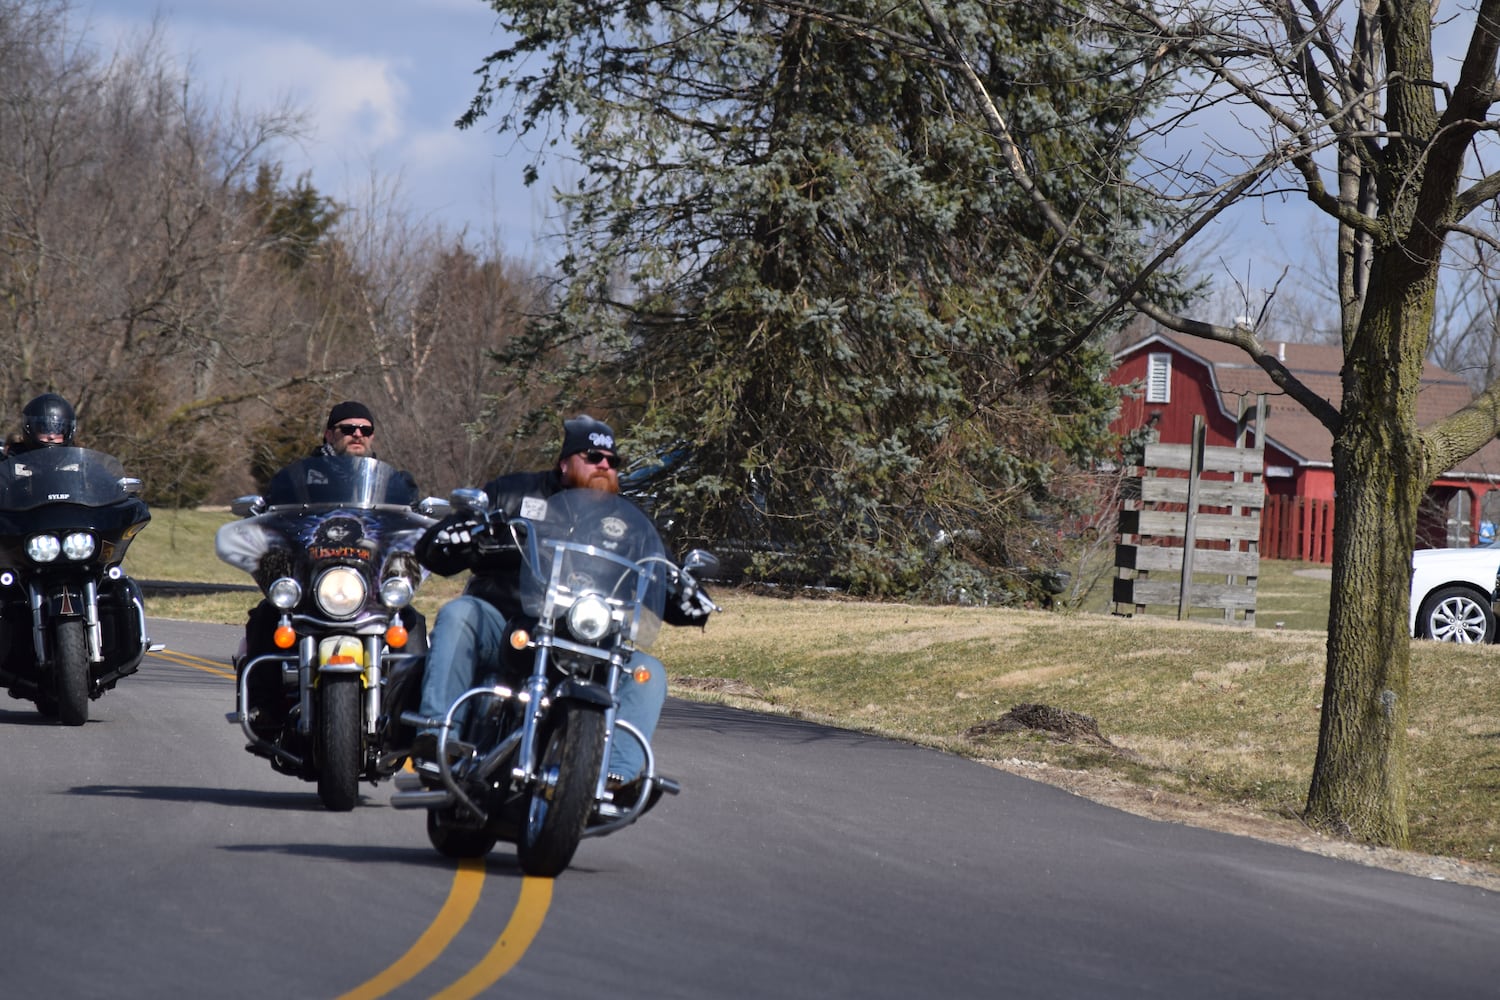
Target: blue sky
x: 381, y: 82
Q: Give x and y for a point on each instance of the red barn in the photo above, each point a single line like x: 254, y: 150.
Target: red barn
x: 1180, y: 377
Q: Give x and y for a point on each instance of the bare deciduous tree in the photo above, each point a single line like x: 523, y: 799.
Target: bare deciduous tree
x: 1346, y: 105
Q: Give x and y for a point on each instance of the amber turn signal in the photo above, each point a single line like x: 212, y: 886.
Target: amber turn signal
x: 641, y: 674
x: 395, y: 636
x: 519, y: 638
x: 285, y: 637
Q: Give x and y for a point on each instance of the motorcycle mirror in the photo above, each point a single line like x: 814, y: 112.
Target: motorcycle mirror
x: 247, y: 506
x: 698, y: 559
x: 470, y: 499
x: 131, y: 486
x: 434, y: 507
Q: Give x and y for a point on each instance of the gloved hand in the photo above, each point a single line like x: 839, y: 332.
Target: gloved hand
x: 693, y: 606
x: 458, y: 534
x: 448, y: 546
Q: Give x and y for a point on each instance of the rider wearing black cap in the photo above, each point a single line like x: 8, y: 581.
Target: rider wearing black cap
x: 470, y: 628
x: 349, y: 430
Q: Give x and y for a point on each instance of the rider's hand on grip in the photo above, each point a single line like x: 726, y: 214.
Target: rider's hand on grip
x: 448, y: 546
x: 457, y: 535
x: 693, y: 606
x: 491, y: 536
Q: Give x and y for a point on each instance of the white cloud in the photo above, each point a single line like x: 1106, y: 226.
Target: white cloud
x: 379, y: 83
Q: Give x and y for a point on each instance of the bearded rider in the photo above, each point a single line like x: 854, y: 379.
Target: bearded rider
x: 349, y: 430
x: 470, y: 629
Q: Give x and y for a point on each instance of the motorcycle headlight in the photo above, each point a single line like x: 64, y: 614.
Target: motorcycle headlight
x: 396, y: 592
x: 589, y: 618
x: 285, y: 593
x: 43, y: 548
x: 340, y: 592
x: 78, y: 546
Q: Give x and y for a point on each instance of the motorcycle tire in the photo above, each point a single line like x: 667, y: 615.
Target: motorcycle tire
x: 559, y: 804
x: 71, y: 672
x: 457, y: 841
x: 340, y: 748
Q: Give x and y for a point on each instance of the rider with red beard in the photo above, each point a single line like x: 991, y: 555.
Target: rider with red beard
x: 470, y: 628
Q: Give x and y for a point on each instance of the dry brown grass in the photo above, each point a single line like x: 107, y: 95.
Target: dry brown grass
x: 1213, y: 724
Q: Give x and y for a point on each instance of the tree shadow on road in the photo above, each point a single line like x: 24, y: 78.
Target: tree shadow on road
x: 244, y: 797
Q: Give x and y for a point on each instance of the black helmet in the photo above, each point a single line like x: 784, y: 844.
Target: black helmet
x: 48, y: 413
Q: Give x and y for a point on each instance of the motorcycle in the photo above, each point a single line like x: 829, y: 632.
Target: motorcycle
x: 526, y: 764
x: 330, y: 545
x: 67, y: 515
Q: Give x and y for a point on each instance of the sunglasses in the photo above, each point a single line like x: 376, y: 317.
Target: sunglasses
x: 349, y: 430
x: 595, y: 457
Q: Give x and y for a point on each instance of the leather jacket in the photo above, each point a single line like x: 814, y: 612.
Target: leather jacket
x: 496, y: 577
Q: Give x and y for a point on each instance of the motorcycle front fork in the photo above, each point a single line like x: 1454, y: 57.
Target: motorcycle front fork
x: 93, y: 631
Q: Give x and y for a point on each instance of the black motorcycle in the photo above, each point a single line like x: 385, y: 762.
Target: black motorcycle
x: 526, y: 766
x: 330, y: 545
x: 67, y: 515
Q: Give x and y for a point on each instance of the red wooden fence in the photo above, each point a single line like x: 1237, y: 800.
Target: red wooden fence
x: 1297, y: 528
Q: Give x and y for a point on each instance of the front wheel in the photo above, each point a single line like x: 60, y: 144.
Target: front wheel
x: 340, y: 750
x: 1456, y: 614
x: 560, y: 802
x: 71, y: 672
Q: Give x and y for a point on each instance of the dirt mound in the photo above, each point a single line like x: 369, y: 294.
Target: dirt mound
x: 1060, y: 723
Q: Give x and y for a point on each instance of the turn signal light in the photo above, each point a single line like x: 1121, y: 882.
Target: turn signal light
x: 519, y: 638
x: 286, y: 637
x: 395, y: 636
x: 641, y: 674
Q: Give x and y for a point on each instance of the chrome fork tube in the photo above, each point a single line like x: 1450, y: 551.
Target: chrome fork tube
x: 91, y: 619
x: 616, y: 675
x: 307, y: 656
x: 373, y: 674
x: 38, y: 621
x: 536, y: 691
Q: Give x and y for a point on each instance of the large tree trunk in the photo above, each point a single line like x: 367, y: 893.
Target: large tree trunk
x: 1359, y: 780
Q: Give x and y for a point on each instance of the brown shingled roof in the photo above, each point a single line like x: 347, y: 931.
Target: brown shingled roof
x: 1291, y: 427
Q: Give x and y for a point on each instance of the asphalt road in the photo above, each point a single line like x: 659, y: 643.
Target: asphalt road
x: 147, y: 855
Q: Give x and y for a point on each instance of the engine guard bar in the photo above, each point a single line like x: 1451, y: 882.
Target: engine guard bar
x: 613, y: 818
x: 243, y: 717
x: 444, y: 727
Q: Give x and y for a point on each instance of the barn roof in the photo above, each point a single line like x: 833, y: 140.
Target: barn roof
x: 1288, y: 425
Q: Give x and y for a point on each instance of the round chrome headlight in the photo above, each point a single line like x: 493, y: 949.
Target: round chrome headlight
x: 589, y: 618
x: 340, y: 592
x: 285, y: 593
x: 78, y: 546
x: 396, y: 592
x: 43, y: 548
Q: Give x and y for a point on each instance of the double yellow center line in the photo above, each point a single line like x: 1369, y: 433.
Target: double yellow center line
x: 468, y: 881
x: 525, y: 922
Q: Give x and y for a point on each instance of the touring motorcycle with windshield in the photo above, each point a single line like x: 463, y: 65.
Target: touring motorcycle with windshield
x: 330, y: 545
x: 71, y: 622
x: 526, y: 764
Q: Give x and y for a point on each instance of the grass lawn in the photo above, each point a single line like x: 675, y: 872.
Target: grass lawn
x: 1224, y: 713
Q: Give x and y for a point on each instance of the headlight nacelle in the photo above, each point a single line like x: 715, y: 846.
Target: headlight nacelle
x: 284, y: 592
x: 396, y: 592
x: 78, y: 545
x: 340, y: 592
x: 43, y: 548
x: 75, y: 546
x: 589, y: 618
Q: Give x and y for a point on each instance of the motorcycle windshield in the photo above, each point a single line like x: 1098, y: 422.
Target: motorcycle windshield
x: 330, y: 509
x: 344, y: 480
x: 587, y: 541
x: 60, y: 475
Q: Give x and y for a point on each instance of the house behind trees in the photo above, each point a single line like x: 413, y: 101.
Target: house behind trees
x: 1177, y: 378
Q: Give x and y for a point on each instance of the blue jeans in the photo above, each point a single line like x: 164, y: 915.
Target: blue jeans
x: 469, y: 632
